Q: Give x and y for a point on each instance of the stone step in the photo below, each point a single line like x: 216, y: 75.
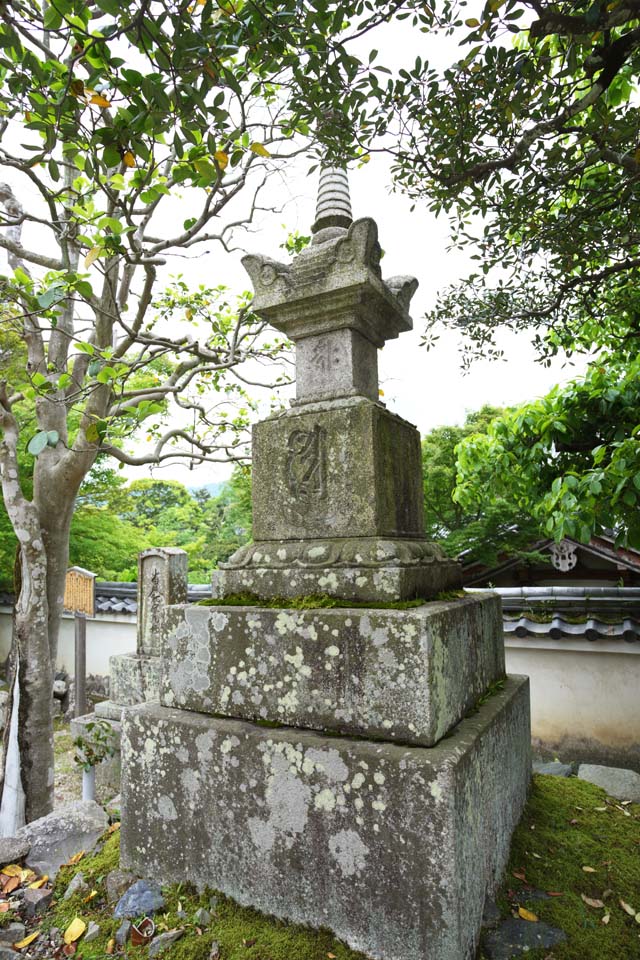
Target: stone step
x: 405, y: 675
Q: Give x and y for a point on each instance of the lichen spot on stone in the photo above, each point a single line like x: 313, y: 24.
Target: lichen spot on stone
x: 435, y: 789
x: 348, y: 851
x: 166, y: 808
x: 325, y: 800
x: 379, y: 777
x: 357, y: 781
x: 332, y: 651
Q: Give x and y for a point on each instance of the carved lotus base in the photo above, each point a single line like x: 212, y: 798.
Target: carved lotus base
x: 368, y: 569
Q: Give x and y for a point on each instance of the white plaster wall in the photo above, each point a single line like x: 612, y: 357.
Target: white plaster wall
x: 584, y: 696
x: 106, y: 635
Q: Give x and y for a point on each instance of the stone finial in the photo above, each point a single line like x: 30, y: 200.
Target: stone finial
x: 333, y: 209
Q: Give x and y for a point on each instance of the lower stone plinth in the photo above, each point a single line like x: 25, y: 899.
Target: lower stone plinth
x: 393, y: 848
x: 134, y: 678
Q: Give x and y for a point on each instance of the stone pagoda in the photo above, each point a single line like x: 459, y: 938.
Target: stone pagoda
x: 358, y: 767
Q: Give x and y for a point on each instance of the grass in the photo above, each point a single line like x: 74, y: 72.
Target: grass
x: 319, y: 601
x: 567, y: 825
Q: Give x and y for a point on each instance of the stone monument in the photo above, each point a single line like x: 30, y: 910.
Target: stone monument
x: 359, y: 767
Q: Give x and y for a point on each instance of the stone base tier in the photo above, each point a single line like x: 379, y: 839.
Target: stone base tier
x: 403, y: 675
x: 367, y: 569
x: 134, y: 678
x: 392, y: 848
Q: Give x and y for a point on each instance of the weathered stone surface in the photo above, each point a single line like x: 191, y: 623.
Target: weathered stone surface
x: 513, y: 938
x: 619, y: 783
x: 407, y: 675
x: 163, y: 942
x: 108, y: 710
x: 92, y: 932
x: 393, y: 848
x: 13, y: 849
x: 35, y: 902
x: 141, y: 899
x: 122, y: 933
x: 162, y: 580
x: 553, y: 769
x: 12, y: 933
x: 339, y: 363
x: 135, y: 679
x: 69, y: 829
x: 367, y: 569
x: 343, y: 468
x: 77, y: 885
x: 117, y: 882
x: 202, y: 917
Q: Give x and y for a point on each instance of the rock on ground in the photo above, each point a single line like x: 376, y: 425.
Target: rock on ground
x: 93, y: 932
x: 553, y: 769
x: 165, y: 940
x: 619, y: 783
x: 117, y: 882
x: 77, y: 885
x: 141, y: 899
x: 36, y: 902
x: 513, y: 938
x: 13, y: 849
x: 12, y: 933
x: 54, y: 839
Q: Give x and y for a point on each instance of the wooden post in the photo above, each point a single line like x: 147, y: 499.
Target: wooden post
x: 80, y: 622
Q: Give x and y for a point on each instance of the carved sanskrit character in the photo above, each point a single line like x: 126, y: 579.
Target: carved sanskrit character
x: 306, y: 464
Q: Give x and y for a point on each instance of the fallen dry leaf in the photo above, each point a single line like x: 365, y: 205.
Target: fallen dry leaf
x: 12, y: 870
x: 114, y: 826
x: 76, y: 858
x: 554, y: 893
x: 627, y: 908
x: 596, y: 904
x: 4, y: 907
x: 527, y: 915
x: 69, y: 949
x: 90, y: 896
x: 75, y: 930
x: 38, y: 883
x: 331, y: 956
x: 110, y: 947
x: 599, y: 809
x: 249, y: 943
x: 12, y: 884
x: 572, y: 823
x: 21, y: 944
x: 606, y: 919
x: 589, y: 869
x: 519, y: 875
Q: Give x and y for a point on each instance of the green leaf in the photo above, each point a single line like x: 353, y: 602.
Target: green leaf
x: 37, y: 443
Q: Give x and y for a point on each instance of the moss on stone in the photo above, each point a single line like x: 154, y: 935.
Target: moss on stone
x: 314, y: 602
x: 564, y: 829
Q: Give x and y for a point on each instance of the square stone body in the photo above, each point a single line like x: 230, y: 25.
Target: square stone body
x: 398, y: 675
x: 134, y: 678
x: 339, y: 363
x: 394, y: 848
x: 345, y: 468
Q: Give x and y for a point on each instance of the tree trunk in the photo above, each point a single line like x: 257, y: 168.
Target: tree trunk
x: 35, y: 678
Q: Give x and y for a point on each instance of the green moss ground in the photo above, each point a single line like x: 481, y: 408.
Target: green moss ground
x: 564, y: 829
x: 242, y: 934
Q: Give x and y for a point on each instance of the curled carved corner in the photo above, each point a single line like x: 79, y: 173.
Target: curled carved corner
x: 403, y: 289
x: 264, y: 271
x: 322, y: 554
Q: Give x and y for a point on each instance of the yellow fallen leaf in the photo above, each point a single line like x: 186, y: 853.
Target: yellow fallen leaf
x: 93, y: 254
x: 606, y: 919
x: 38, y: 883
x: 75, y: 930
x: 26, y: 875
x: 589, y: 869
x: 99, y: 100
x: 129, y: 159
x: 260, y: 149
x: 527, y: 915
x: 90, y: 896
x: 114, y: 826
x: 628, y: 908
x: 221, y: 159
x: 110, y: 947
x: 21, y: 944
x: 597, y: 904
x: 600, y: 809
x: 12, y: 870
